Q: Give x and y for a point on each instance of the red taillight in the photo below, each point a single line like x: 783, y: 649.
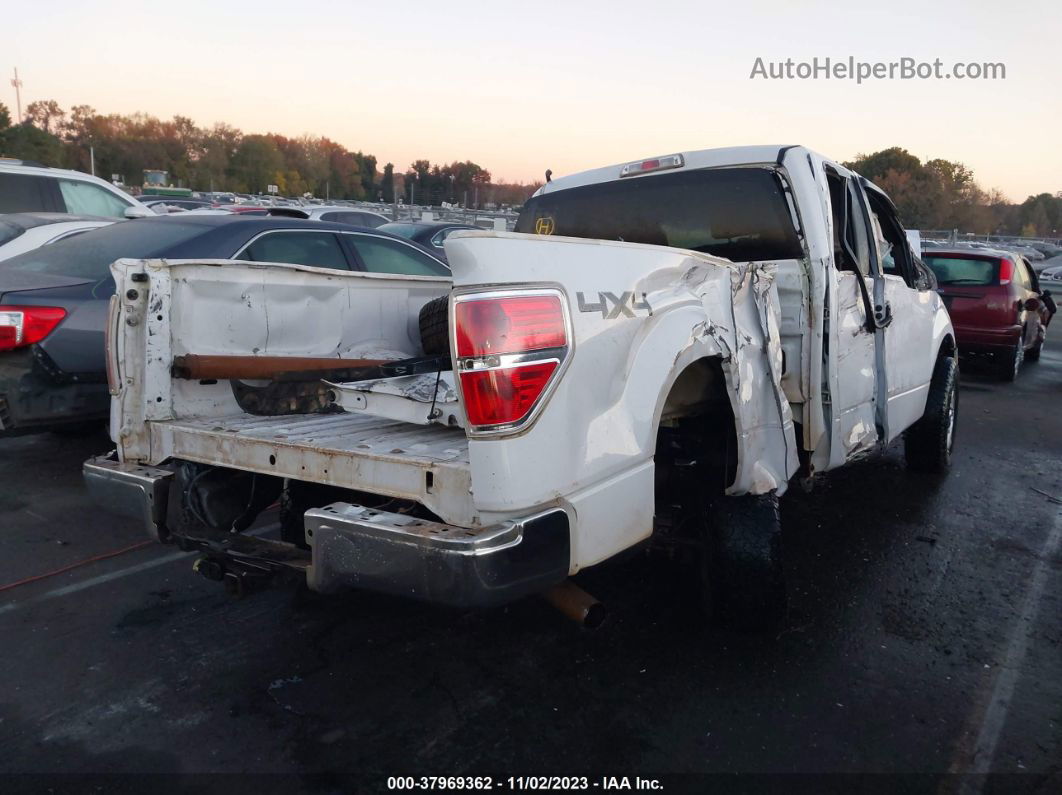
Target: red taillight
x: 25, y: 325
x: 1006, y: 271
x: 509, y: 325
x: 505, y: 395
x: 509, y: 349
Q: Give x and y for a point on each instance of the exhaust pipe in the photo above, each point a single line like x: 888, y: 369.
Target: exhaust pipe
x: 576, y: 604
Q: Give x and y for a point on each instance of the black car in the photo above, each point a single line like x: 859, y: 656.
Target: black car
x: 53, y: 300
x: 429, y: 234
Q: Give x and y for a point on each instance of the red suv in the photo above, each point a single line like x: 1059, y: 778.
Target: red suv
x: 995, y: 303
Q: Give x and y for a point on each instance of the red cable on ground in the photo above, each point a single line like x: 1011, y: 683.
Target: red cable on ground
x: 85, y: 562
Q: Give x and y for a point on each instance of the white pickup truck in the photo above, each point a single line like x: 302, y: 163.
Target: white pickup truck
x: 652, y: 356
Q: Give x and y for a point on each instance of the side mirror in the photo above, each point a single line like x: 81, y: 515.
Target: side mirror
x: 138, y: 212
x: 1032, y: 304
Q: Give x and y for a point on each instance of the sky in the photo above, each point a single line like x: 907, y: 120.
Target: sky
x: 519, y: 87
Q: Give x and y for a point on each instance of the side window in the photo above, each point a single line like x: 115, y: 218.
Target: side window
x: 320, y: 249
x: 335, y: 217
x: 380, y: 255
x: 84, y: 198
x: 851, y: 249
x: 1023, y: 273
x: 367, y: 219
x: 893, y: 245
x: 27, y: 193
x: 439, y: 237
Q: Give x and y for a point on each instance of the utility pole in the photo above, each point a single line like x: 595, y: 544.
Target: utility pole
x: 92, y: 160
x: 18, y: 94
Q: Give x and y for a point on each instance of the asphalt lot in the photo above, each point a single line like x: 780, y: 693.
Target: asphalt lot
x: 923, y: 638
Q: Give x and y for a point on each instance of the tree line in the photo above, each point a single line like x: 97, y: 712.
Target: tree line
x: 224, y: 158
x: 935, y: 194
x: 942, y: 194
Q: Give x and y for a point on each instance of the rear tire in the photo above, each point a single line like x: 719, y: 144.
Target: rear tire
x: 928, y: 444
x: 1009, y: 364
x: 742, y: 577
x: 435, y: 326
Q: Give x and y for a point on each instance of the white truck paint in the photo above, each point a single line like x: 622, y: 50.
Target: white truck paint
x: 813, y: 371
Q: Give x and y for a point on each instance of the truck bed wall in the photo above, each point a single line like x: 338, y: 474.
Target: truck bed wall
x: 244, y: 309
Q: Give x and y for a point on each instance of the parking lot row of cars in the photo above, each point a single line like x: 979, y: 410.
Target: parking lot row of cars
x: 61, y: 230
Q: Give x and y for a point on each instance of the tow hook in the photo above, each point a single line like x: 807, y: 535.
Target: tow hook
x: 576, y: 604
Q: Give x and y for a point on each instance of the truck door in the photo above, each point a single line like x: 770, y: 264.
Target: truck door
x: 909, y: 361
x: 853, y: 357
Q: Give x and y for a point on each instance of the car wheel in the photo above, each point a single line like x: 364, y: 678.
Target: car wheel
x: 435, y: 326
x: 1010, y: 363
x: 928, y: 444
x: 742, y: 580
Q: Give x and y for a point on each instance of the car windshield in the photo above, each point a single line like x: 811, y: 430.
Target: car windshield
x: 89, y: 255
x: 737, y: 213
x: 972, y: 271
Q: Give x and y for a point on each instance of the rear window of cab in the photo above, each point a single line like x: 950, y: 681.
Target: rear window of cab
x: 738, y: 213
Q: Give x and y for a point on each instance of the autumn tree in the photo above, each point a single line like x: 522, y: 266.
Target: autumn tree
x: 45, y: 114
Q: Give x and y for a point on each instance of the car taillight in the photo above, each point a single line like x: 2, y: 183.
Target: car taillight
x: 509, y: 325
x: 509, y: 349
x: 1006, y: 271
x: 25, y: 325
x: 505, y: 395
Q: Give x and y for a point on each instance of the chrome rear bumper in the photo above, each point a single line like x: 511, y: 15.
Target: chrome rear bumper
x: 357, y: 547
x: 133, y: 490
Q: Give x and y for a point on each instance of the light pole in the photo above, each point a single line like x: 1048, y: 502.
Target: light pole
x: 18, y: 94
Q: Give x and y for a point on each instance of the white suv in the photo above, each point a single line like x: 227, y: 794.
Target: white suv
x: 30, y: 187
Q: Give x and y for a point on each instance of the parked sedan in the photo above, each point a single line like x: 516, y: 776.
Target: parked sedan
x: 21, y: 232
x: 995, y: 303
x: 429, y: 234
x: 335, y: 213
x: 53, y: 300
x: 168, y: 204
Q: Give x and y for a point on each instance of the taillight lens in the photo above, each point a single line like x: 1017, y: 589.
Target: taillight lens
x: 26, y: 325
x: 506, y: 395
x: 1006, y: 271
x: 509, y: 325
x: 509, y: 349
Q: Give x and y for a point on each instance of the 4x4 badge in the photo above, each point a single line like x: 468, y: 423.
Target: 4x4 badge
x: 625, y: 305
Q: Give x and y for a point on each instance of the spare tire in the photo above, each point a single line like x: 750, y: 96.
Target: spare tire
x: 435, y: 326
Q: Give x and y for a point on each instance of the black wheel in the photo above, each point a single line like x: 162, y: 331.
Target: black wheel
x: 1033, y: 354
x: 435, y: 326
x: 1008, y: 364
x: 742, y: 578
x: 928, y: 444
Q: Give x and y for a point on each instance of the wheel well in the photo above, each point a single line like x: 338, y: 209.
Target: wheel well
x: 696, y: 442
x: 947, y: 347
